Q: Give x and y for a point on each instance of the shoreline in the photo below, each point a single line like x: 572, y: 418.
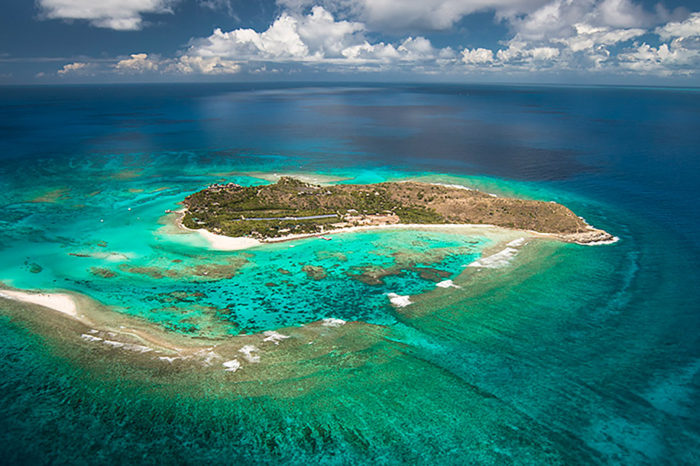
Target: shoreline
x: 59, y: 302
x: 76, y: 320
x: 217, y: 242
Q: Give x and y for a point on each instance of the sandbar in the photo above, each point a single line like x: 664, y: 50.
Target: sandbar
x: 60, y: 302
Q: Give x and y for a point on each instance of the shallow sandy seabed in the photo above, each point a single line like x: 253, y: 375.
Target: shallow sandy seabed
x: 142, y: 342
x: 100, y: 338
x: 273, y: 355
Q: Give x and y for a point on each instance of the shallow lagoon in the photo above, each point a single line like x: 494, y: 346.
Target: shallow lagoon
x: 569, y: 354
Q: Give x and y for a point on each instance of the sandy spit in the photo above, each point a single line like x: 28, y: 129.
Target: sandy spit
x: 57, y: 301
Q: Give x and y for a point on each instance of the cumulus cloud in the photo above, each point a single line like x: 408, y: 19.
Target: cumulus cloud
x: 576, y: 35
x: 664, y: 59
x: 688, y: 28
x: 477, y: 56
x: 408, y: 15
x: 587, y: 37
x: 337, y: 35
x: 545, y: 34
x: 621, y: 14
x: 203, y: 65
x: 314, y: 38
x: 123, y: 15
x: 73, y: 68
x: 137, y: 63
x: 566, y: 18
x: 520, y: 52
x: 365, y: 51
x: 290, y: 37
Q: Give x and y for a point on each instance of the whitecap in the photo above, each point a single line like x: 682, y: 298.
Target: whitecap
x: 399, y: 300
x: 447, y: 284
x: 138, y: 348
x: 247, y: 352
x: 330, y: 322
x: 87, y: 337
x: 516, y: 243
x: 209, y: 356
x: 614, y: 239
x: 500, y: 259
x: 271, y: 335
x: 115, y: 344
x: 457, y: 186
x: 232, y: 366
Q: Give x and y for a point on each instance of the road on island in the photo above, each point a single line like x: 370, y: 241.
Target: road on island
x: 310, y: 217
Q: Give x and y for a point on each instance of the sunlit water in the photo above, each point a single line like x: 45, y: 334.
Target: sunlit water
x: 566, y: 354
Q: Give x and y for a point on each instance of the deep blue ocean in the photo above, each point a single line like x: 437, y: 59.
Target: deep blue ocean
x: 571, y: 355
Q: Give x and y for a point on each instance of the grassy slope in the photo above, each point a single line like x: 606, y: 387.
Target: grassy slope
x: 221, y: 209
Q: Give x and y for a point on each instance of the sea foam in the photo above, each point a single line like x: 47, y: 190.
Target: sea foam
x: 247, y: 352
x: 516, y: 243
x: 232, y: 366
x: 274, y: 337
x: 501, y: 258
x: 331, y: 322
x: 399, y: 300
x: 447, y: 284
x: 87, y: 337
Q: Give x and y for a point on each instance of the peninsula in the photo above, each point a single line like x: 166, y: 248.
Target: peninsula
x: 292, y: 208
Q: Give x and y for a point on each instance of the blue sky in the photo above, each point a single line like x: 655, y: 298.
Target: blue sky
x: 547, y: 41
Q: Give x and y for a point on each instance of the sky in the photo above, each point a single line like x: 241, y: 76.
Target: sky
x: 635, y: 42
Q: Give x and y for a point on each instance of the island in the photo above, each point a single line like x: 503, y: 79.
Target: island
x: 291, y: 208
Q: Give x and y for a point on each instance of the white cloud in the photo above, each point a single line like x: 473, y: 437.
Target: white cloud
x: 519, y: 51
x: 664, y: 59
x: 542, y: 53
x: 688, y: 28
x: 137, y: 63
x: 416, y: 49
x: 564, y: 18
x: 123, y: 15
x: 443, y: 14
x: 365, y: 51
x: 622, y: 14
x: 573, y: 35
x: 73, y: 68
x: 433, y: 14
x: 588, y: 37
x: 409, y: 15
x: 290, y: 37
x: 546, y: 35
x: 315, y: 38
x: 477, y: 56
x: 552, y: 35
x: 203, y: 65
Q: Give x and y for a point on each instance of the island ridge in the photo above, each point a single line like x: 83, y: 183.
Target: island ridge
x: 290, y: 208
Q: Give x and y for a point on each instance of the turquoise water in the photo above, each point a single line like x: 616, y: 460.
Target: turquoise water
x: 567, y: 354
x: 118, y: 247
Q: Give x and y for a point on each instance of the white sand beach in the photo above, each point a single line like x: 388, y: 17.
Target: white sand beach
x: 60, y: 302
x: 227, y: 243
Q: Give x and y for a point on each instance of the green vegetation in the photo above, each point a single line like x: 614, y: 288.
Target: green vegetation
x: 284, y: 208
